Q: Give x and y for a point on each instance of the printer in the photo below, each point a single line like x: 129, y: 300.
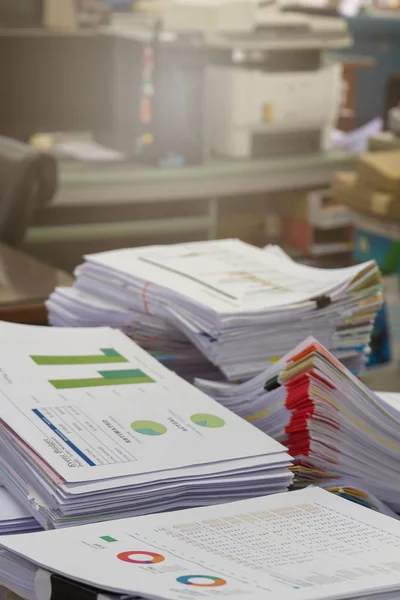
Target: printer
x: 269, y: 88
x: 192, y: 78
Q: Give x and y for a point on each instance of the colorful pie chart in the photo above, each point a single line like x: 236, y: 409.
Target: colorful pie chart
x: 204, y: 420
x: 141, y: 557
x: 201, y: 580
x: 148, y: 427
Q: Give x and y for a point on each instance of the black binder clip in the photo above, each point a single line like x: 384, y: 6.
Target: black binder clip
x: 322, y: 301
x: 272, y: 384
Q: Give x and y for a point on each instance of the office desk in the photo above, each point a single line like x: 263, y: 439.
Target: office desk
x: 110, y: 206
x: 25, y: 284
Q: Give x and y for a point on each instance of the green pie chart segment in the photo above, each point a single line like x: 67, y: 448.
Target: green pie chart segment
x: 204, y: 420
x: 148, y: 427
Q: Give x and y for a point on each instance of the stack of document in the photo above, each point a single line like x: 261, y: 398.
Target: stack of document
x: 93, y: 428
x: 223, y: 303
x: 332, y: 424
x: 350, y: 489
x: 306, y: 545
x: 14, y: 518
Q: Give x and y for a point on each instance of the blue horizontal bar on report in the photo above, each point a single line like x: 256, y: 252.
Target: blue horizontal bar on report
x: 64, y: 439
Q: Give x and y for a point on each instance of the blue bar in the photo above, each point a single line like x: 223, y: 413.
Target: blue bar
x: 64, y: 439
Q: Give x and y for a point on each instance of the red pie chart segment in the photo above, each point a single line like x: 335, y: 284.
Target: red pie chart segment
x: 140, y: 557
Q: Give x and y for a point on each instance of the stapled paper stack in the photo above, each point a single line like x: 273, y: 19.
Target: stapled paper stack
x: 222, y: 303
x: 332, y: 424
x: 93, y: 428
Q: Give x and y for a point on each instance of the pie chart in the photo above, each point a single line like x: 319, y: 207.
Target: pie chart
x: 205, y: 420
x: 148, y: 428
x: 201, y: 580
x: 138, y: 557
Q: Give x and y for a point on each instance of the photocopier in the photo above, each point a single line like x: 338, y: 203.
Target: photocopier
x: 269, y: 88
x: 236, y: 78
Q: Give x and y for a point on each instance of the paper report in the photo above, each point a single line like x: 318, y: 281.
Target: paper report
x: 302, y: 545
x: 86, y: 411
x: 58, y: 401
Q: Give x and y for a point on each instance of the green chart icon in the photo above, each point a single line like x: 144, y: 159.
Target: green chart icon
x: 148, y: 427
x: 205, y: 420
x: 107, y: 356
x: 107, y: 378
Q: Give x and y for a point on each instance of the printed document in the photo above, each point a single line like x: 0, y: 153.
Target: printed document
x: 305, y: 545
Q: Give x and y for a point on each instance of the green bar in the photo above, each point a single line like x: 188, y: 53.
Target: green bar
x: 123, y: 374
x: 69, y: 384
x: 108, y: 538
x: 110, y: 352
x: 108, y: 356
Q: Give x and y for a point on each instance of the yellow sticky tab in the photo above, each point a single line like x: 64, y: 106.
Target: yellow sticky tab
x: 355, y: 492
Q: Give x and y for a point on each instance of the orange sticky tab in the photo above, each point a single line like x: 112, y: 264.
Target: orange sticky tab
x: 309, y: 350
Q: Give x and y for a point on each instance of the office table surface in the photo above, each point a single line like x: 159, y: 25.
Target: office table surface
x: 25, y: 284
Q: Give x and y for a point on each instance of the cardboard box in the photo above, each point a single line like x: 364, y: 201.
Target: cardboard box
x: 312, y: 241
x: 343, y: 185
x: 318, y: 207
x: 385, y: 140
x: 380, y: 170
x: 348, y: 189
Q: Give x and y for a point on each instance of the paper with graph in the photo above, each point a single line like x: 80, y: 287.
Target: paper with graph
x: 91, y: 407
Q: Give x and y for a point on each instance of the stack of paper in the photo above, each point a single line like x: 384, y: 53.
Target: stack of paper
x: 306, y: 545
x: 14, y: 518
x: 350, y: 489
x: 226, y: 301
x: 93, y: 428
x: 332, y: 424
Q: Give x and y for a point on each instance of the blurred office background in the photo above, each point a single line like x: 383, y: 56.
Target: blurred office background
x: 178, y: 120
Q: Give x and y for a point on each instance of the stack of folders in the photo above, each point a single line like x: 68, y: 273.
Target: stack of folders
x: 222, y: 303
x: 14, y: 518
x: 94, y: 428
x: 332, y: 424
x: 306, y: 545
